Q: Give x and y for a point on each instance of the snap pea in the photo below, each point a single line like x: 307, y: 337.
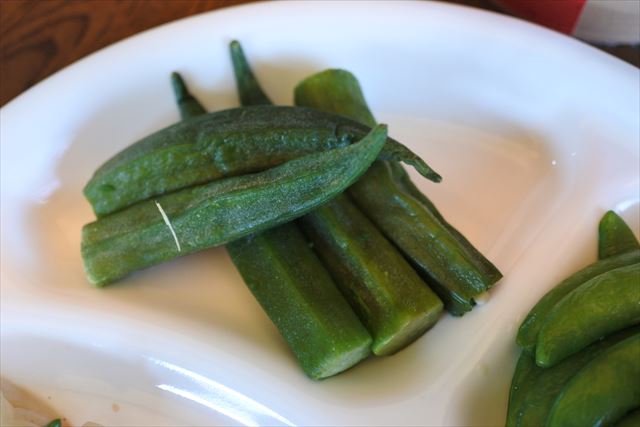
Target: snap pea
x: 530, y: 327
x: 632, y: 419
x: 302, y: 300
x: 391, y: 300
x: 188, y: 105
x: 614, y: 236
x: 221, y: 144
x: 526, y: 370
x: 544, y: 386
x: 603, y: 391
x: 399, y: 216
x: 603, y: 305
x: 289, y: 281
x: 221, y: 211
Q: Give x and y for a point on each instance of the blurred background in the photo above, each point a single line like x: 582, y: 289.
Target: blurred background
x: 40, y: 37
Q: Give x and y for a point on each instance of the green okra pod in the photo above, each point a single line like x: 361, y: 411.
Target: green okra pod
x: 474, y: 255
x: 208, y: 215
x: 299, y: 296
x: 249, y: 90
x: 603, y: 391
x: 221, y: 144
x: 614, y: 236
x: 432, y: 250
x: 544, y: 385
x: 603, y: 305
x: 289, y: 281
x: 530, y: 327
x: 389, y: 297
x: 339, y: 91
x: 187, y: 104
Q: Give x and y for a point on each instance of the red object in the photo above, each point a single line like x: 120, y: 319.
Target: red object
x: 559, y: 15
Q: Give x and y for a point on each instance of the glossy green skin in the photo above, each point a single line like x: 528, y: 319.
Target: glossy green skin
x: 614, y: 236
x: 302, y: 300
x: 480, y: 261
x: 543, y: 386
x: 339, y: 91
x: 336, y: 91
x: 526, y: 370
x: 54, y: 423
x: 389, y: 297
x: 433, y: 251
x: 605, y: 304
x: 249, y: 90
x: 222, y: 211
x: 289, y: 281
x: 530, y: 327
x: 603, y: 391
x: 632, y: 419
x: 221, y: 144
x: 187, y: 104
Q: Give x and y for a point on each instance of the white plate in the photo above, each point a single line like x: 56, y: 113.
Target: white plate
x: 536, y: 136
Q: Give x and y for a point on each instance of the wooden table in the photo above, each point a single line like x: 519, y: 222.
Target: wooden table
x: 39, y: 37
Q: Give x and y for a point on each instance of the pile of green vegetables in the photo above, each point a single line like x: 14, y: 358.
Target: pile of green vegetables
x: 369, y: 262
x: 580, y: 360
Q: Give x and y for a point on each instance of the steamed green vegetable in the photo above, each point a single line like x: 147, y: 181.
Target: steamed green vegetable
x: 530, y: 327
x: 187, y: 104
x: 221, y: 144
x: 289, y: 281
x: 440, y: 254
x: 603, y: 391
x: 391, y: 300
x: 302, y: 300
x: 614, y: 236
x: 214, y: 214
x: 524, y: 375
x: 603, y: 305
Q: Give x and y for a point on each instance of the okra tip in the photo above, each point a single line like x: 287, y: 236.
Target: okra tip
x: 179, y: 87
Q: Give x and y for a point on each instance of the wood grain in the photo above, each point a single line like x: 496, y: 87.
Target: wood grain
x: 40, y: 37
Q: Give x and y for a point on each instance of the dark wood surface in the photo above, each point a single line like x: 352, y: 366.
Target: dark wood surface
x: 39, y: 37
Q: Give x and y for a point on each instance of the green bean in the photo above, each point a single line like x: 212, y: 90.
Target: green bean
x: 614, y: 236
x: 603, y: 305
x: 214, y: 214
x: 530, y: 327
x: 603, y: 391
